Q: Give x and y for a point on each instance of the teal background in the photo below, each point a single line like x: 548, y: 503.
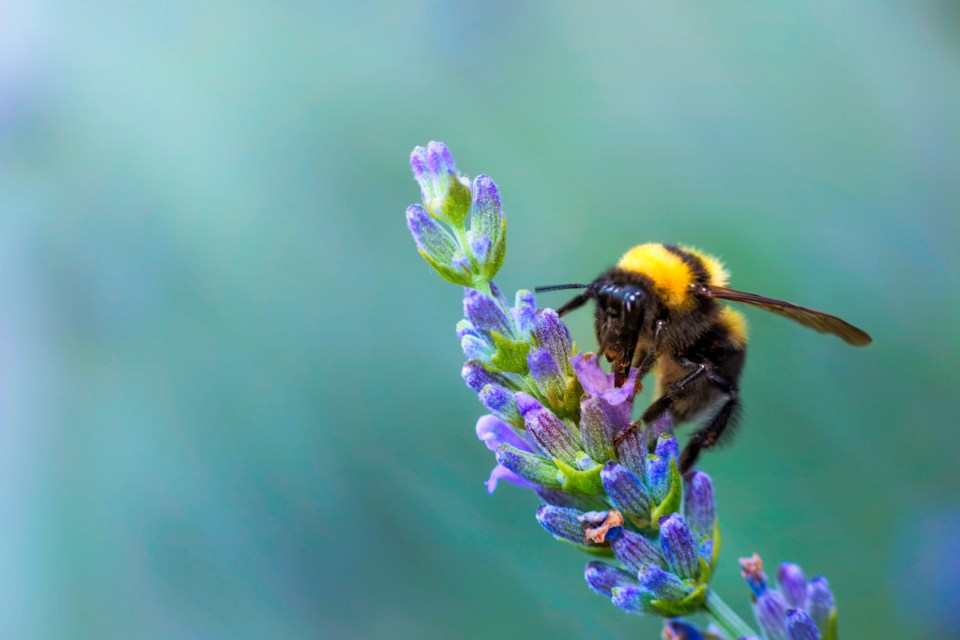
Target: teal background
x: 229, y: 387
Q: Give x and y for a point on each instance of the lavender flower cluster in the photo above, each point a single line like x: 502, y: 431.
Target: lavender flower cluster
x: 553, y: 424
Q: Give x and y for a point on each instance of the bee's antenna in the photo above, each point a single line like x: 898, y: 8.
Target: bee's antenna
x: 557, y: 287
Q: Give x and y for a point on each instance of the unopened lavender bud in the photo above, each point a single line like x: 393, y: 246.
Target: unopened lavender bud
x: 663, y: 585
x: 604, y: 578
x: 635, y: 551
x: 437, y: 246
x: 501, y: 403
x: 486, y: 314
x: 820, y: 603
x: 658, y: 466
x: 531, y: 467
x: 800, y: 626
x: 553, y: 335
x: 679, y: 629
x: 679, y: 548
x: 634, y: 600
x: 770, y: 610
x: 487, y: 219
x: 595, y: 429
x: 445, y: 194
x: 546, y: 373
x: 632, y: 452
x: 552, y: 435
x: 562, y: 522
x: 699, y: 509
x: 525, y: 313
x: 476, y: 348
x: 477, y: 376
x: 626, y: 491
x: 793, y: 584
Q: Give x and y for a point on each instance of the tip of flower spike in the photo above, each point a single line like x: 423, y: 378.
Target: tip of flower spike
x: 752, y: 571
x: 793, y: 584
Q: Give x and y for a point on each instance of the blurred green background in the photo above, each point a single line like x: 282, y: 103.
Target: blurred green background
x: 229, y: 386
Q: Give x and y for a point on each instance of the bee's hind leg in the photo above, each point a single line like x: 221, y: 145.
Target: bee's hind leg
x: 720, y: 427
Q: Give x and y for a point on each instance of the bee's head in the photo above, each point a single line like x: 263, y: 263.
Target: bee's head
x: 617, y: 301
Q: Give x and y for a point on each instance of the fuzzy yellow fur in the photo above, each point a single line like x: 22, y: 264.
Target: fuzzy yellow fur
x: 670, y: 275
x: 735, y: 324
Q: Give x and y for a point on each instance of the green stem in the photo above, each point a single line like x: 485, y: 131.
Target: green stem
x: 725, y: 618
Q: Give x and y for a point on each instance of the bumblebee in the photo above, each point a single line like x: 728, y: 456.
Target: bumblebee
x: 660, y: 306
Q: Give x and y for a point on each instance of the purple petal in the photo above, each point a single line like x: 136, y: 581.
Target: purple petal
x: 493, y: 433
x: 500, y: 472
x: 553, y: 335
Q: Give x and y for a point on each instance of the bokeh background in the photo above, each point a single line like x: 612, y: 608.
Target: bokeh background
x: 229, y: 387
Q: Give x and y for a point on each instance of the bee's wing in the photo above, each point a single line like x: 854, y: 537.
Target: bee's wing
x: 817, y: 320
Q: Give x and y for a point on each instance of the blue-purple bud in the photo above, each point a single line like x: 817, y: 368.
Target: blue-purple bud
x: 635, y: 551
x: 634, y: 600
x: 820, y: 603
x: 663, y: 585
x: 531, y: 467
x: 525, y: 313
x: 800, y: 626
x: 487, y: 220
x: 546, y: 373
x: 562, y: 522
x: 603, y: 578
x: 477, y: 376
x: 679, y: 629
x: 486, y: 314
x: 553, y: 335
x: 445, y: 194
x: 552, y: 435
x: 632, y: 452
x: 596, y: 430
x: 476, y: 348
x: 658, y: 466
x: 793, y: 584
x: 438, y: 247
x: 480, y: 248
x: 699, y: 509
x: 627, y: 492
x: 679, y: 548
x: 501, y: 403
x: 770, y: 610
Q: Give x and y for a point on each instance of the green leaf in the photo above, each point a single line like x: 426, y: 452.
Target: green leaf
x: 497, y: 252
x: 670, y: 504
x: 586, y: 483
x: 715, y: 554
x: 831, y: 633
x: 511, y: 355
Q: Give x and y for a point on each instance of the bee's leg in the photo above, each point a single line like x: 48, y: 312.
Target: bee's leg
x: 651, y: 358
x: 664, y: 402
x: 721, y: 425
